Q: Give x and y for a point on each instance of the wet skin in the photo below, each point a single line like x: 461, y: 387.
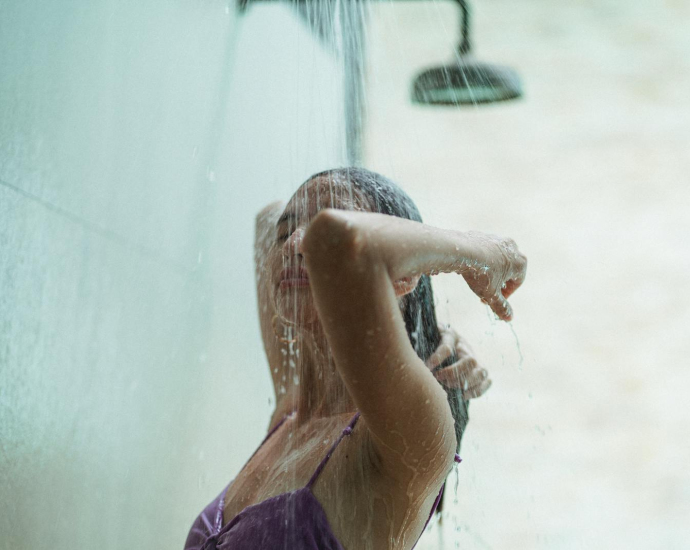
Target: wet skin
x: 329, y: 379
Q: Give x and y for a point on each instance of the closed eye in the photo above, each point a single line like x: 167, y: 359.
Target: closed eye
x: 285, y: 226
x: 284, y: 234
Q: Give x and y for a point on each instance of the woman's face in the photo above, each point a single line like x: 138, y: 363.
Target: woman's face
x: 289, y: 281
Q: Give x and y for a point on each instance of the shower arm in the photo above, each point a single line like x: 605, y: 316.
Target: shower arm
x: 464, y: 46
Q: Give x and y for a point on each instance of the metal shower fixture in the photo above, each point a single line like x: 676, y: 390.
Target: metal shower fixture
x: 465, y: 82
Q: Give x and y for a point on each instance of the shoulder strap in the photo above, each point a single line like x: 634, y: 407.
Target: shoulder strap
x: 346, y: 431
x: 438, y: 499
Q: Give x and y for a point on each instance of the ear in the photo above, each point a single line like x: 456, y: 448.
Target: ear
x: 405, y: 285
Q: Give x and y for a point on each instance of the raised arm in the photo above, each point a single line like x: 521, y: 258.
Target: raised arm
x: 264, y: 237
x: 353, y: 260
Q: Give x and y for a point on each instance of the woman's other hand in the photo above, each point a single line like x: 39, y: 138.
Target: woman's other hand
x: 466, y: 374
x: 498, y: 272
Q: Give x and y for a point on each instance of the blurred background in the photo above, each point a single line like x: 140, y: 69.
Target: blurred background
x: 139, y: 139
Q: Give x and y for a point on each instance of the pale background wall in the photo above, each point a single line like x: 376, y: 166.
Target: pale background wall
x: 137, y: 141
x: 584, y: 443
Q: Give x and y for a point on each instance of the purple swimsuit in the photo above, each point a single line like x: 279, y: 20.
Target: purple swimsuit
x: 291, y: 521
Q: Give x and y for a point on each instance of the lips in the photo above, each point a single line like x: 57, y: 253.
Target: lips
x: 293, y: 277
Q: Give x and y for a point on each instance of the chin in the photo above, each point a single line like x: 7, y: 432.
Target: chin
x: 298, y: 312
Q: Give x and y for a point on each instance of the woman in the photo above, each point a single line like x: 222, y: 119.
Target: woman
x: 347, y: 277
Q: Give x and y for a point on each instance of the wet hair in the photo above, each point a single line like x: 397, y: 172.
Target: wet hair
x: 418, y: 309
x: 388, y: 198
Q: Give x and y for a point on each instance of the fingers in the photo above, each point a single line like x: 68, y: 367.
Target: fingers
x: 500, y: 306
x: 462, y: 348
x: 476, y: 391
x: 404, y: 286
x: 462, y: 375
x: 467, y: 376
x: 510, y: 287
x: 447, y: 329
x: 518, y: 275
x: 444, y: 350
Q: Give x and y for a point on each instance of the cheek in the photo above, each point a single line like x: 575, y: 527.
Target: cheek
x: 274, y: 262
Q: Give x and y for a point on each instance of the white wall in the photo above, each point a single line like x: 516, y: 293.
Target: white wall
x: 137, y: 140
x: 582, y: 441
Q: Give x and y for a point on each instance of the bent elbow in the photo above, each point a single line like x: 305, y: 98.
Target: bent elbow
x: 333, y: 237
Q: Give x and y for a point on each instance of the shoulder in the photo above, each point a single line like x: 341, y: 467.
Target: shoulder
x: 369, y: 496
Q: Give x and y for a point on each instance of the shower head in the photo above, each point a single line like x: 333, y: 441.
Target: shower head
x: 466, y: 82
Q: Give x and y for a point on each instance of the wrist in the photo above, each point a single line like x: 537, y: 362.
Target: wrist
x: 471, y: 255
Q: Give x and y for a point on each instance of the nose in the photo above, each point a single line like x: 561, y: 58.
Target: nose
x: 293, y: 245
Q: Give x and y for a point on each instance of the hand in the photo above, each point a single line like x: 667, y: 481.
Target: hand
x: 465, y: 374
x: 498, y: 274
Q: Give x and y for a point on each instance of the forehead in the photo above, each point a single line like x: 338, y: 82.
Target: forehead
x: 326, y: 192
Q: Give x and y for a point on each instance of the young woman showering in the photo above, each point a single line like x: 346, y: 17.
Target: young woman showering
x: 352, y: 341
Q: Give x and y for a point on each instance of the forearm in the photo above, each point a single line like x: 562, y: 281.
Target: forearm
x: 404, y: 406
x: 407, y: 248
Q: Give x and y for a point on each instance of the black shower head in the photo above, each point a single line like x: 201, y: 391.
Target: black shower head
x: 466, y: 82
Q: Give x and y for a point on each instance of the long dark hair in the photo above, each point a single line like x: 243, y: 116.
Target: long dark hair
x: 388, y: 198
x: 419, y: 311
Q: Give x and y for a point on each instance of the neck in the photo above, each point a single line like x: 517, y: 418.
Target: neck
x: 313, y: 386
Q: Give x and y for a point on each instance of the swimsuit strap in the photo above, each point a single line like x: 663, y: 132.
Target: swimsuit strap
x: 346, y: 431
x: 436, y: 502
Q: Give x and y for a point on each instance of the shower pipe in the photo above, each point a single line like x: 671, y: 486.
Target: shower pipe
x: 464, y: 46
